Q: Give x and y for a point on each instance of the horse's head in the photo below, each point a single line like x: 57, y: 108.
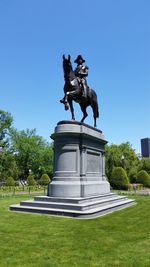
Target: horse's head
x: 67, y: 66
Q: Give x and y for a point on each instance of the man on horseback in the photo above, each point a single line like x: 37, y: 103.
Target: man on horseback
x: 81, y: 73
x: 76, y: 89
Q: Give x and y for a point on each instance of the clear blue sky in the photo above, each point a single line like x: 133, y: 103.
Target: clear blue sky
x: 114, y: 38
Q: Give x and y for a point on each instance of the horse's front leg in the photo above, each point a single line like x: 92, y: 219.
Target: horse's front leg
x: 83, y: 108
x: 71, y: 108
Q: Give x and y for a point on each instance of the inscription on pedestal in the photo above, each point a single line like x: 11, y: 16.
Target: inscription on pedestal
x: 94, y: 164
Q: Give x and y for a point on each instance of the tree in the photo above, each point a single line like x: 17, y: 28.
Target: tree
x: 5, y: 125
x: 8, y: 165
x: 133, y: 175
x: 122, y: 155
x: 143, y: 178
x: 30, y: 180
x: 44, y: 180
x: 119, y: 179
x: 10, y: 181
x: 7, y: 161
x: 46, y: 159
x: 31, y: 152
x: 144, y: 164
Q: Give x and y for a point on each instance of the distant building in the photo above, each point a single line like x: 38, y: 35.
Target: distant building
x: 145, y: 147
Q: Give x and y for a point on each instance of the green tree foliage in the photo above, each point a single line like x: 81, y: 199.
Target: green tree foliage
x: 10, y: 181
x: 7, y: 161
x: 44, y: 163
x: 5, y: 125
x: 30, y: 180
x: 21, y: 151
x: 8, y: 165
x: 31, y: 152
x: 133, y: 175
x: 144, y: 164
x: 119, y: 179
x: 143, y: 178
x: 122, y: 155
x: 45, y: 179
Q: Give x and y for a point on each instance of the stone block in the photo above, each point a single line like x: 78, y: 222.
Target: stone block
x: 79, y: 161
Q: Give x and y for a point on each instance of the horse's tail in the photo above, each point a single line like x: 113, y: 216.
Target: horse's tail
x: 97, y: 111
x: 94, y: 104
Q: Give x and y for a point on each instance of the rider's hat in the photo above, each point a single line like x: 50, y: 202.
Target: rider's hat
x: 79, y: 57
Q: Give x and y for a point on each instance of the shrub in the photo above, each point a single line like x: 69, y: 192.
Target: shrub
x: 119, y: 179
x: 30, y: 180
x: 133, y: 176
x: 45, y: 179
x: 10, y: 181
x: 143, y: 178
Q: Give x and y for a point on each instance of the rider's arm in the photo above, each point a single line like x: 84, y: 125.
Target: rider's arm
x: 85, y: 70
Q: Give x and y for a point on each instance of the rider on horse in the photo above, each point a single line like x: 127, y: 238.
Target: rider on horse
x: 76, y: 89
x: 81, y: 73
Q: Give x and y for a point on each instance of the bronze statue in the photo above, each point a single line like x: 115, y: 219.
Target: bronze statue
x: 81, y: 72
x: 76, y: 88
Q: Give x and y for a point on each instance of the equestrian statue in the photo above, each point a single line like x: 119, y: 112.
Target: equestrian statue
x: 76, y: 88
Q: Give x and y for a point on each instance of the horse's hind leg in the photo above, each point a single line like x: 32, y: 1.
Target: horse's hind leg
x: 83, y: 108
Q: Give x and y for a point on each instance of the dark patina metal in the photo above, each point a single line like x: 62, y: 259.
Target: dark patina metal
x: 76, y: 88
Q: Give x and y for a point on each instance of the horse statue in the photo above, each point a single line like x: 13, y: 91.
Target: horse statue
x: 73, y: 92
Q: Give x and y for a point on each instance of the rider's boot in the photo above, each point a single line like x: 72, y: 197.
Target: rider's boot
x: 84, y: 89
x: 84, y: 92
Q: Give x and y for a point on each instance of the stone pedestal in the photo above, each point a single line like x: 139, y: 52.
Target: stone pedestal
x: 79, y: 161
x: 79, y: 187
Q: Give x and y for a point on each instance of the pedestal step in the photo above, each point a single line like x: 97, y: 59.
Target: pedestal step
x: 76, y: 200
x: 79, y: 207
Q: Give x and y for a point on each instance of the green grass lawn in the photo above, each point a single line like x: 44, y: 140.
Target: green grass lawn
x: 118, y: 239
